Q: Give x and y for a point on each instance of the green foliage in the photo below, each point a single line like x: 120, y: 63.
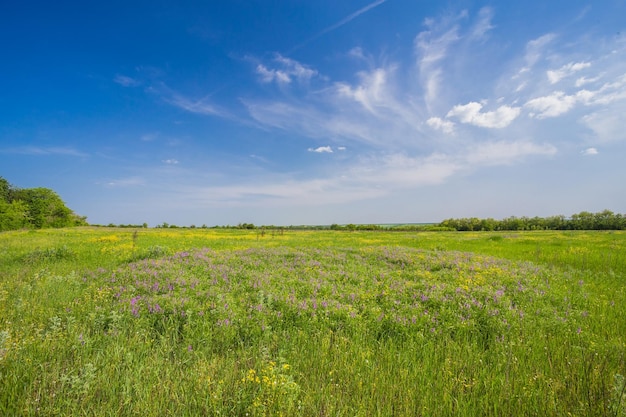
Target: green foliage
x: 14, y: 215
x: 34, y: 208
x: 604, y: 220
x: 6, y: 191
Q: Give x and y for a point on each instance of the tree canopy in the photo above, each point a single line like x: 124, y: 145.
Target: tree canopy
x: 604, y: 220
x: 34, y: 208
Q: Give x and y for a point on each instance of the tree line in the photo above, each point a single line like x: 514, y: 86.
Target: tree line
x: 604, y: 220
x: 34, y: 208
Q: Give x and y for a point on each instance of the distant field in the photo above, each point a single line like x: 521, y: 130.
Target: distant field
x: 157, y: 322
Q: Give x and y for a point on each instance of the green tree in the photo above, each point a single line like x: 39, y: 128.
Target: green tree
x: 6, y: 191
x: 583, y: 221
x: 45, y: 208
x: 13, y: 215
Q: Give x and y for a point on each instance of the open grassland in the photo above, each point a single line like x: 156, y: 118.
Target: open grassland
x: 157, y: 322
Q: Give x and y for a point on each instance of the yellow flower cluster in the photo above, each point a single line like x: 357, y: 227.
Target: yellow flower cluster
x: 272, y: 386
x: 105, y: 239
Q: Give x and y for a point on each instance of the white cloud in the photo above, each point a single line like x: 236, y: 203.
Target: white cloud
x: 558, y: 103
x: 554, y: 76
x: 437, y: 123
x: 289, y: 69
x: 321, y: 149
x: 341, y: 148
x: 170, y: 161
x: 471, y: 113
x: 267, y: 75
x: 551, y: 106
x: 589, y: 151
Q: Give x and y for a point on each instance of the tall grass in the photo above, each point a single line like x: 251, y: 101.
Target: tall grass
x: 101, y: 322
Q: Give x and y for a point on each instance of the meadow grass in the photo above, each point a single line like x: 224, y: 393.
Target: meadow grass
x: 156, y: 322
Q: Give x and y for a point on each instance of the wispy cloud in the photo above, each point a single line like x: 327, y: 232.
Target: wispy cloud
x: 339, y: 24
x: 200, y: 106
x: 412, y: 129
x: 371, y: 92
x: 432, y: 47
x: 483, y: 24
x: 535, y: 49
x: 558, y: 102
x: 124, y: 182
x: 126, y: 81
x: 288, y: 70
x: 149, y: 137
x: 36, y: 150
x: 566, y: 70
x: 351, y: 17
x: 607, y: 125
x: 170, y: 161
x: 368, y: 176
x: 505, y: 153
x: 553, y: 105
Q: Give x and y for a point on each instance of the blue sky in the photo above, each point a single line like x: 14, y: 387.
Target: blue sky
x: 315, y: 112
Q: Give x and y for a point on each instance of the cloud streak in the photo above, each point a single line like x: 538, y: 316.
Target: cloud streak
x: 339, y: 24
x: 45, y: 151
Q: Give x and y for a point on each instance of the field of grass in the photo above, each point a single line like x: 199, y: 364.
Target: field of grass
x: 188, y: 322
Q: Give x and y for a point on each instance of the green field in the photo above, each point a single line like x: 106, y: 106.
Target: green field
x: 194, y: 322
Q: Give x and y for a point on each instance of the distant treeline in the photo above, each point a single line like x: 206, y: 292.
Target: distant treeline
x: 604, y: 220
x: 34, y: 208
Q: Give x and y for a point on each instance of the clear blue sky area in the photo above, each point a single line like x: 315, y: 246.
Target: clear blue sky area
x: 315, y: 112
